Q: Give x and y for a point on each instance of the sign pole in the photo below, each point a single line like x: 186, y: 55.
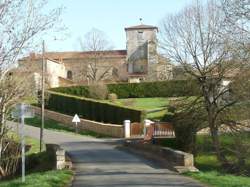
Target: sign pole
x: 22, y: 143
x: 20, y: 112
x: 76, y: 130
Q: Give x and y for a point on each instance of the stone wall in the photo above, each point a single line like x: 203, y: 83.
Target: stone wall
x: 112, y: 130
x: 175, y: 159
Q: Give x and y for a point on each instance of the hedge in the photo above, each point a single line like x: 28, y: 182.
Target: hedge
x: 92, y: 109
x: 172, y: 88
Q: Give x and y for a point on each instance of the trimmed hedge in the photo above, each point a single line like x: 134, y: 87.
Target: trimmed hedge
x: 173, y: 88
x: 92, y: 109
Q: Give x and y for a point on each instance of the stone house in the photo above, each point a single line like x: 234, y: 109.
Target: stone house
x: 139, y: 62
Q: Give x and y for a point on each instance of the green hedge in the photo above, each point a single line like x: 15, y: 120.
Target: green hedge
x: 173, y: 88
x: 92, y: 109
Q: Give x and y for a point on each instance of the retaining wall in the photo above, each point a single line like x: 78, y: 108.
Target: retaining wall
x: 112, y: 130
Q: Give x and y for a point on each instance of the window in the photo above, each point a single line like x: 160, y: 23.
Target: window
x: 69, y: 74
x: 140, y: 35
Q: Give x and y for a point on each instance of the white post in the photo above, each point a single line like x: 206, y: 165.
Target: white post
x: 127, y: 128
x: 22, y: 142
x: 76, y: 128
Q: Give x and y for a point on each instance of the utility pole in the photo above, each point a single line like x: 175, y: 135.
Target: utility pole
x: 42, y: 102
x: 23, y: 142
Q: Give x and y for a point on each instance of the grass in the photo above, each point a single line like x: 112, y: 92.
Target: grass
x: 54, y: 125
x: 53, y: 178
x: 210, y: 170
x: 38, y: 169
x: 156, y: 108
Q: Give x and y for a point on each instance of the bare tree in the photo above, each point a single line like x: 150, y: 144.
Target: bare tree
x: 237, y: 19
x: 95, y: 42
x: 21, y: 22
x: 196, y: 39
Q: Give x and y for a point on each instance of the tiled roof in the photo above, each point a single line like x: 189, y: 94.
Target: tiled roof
x: 142, y: 26
x: 75, y: 54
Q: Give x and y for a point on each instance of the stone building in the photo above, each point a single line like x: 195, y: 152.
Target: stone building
x: 139, y: 62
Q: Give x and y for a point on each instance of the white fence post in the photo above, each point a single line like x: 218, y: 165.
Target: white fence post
x: 127, y: 128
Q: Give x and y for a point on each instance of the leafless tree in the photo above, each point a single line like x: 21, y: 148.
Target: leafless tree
x: 95, y: 42
x: 196, y: 39
x: 21, y: 22
x: 237, y: 19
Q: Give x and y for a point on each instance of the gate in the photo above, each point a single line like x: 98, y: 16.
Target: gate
x: 160, y: 129
x: 163, y: 129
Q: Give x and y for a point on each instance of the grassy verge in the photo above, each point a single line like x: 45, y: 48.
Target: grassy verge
x: 39, y: 170
x: 210, y: 170
x: 54, y: 125
x: 53, y: 178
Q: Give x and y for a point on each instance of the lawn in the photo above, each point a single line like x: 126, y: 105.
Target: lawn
x: 210, y: 170
x: 53, y: 178
x: 156, y: 107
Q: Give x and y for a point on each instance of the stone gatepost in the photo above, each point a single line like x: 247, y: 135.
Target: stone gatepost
x: 127, y: 124
x: 147, y: 123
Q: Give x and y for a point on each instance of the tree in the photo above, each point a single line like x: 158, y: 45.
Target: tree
x: 96, y: 43
x: 237, y: 17
x: 21, y: 22
x: 196, y: 39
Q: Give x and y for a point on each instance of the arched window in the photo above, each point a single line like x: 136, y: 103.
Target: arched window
x: 69, y: 74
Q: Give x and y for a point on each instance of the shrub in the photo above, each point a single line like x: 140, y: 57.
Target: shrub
x: 92, y: 109
x: 187, y: 116
x: 112, y: 97
x: 98, y: 91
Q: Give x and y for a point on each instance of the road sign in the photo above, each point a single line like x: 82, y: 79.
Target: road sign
x: 22, y: 110
x: 76, y: 120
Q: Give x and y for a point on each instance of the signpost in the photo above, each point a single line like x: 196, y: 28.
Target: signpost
x: 76, y: 120
x: 22, y: 111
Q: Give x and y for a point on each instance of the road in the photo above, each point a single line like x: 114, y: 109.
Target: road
x: 98, y: 163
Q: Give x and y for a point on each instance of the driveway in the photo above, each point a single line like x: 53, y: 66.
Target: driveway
x: 98, y: 163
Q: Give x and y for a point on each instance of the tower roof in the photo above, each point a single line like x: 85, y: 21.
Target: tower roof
x: 142, y: 26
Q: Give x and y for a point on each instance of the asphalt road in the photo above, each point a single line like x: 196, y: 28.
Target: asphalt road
x: 98, y: 163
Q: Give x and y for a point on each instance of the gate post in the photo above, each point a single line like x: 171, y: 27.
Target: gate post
x: 147, y: 123
x: 126, y: 124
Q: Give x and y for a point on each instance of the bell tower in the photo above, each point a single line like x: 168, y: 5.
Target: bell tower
x: 141, y: 48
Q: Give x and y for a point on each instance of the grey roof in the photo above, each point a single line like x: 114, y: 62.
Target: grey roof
x: 142, y: 26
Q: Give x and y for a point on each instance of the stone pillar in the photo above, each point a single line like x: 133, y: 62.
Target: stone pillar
x: 147, y: 123
x: 60, y: 159
x: 126, y: 124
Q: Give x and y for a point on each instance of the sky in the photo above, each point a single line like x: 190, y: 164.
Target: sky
x: 109, y: 16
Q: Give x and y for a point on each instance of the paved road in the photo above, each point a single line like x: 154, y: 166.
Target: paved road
x: 98, y: 163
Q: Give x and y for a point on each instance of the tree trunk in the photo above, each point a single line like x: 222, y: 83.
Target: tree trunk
x: 217, y: 146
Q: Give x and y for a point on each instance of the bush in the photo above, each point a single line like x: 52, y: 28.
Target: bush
x: 92, y: 109
x: 112, y: 97
x: 187, y: 116
x: 98, y: 91
x: 173, y: 88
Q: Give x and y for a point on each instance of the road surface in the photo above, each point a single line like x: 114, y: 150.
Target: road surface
x: 98, y: 163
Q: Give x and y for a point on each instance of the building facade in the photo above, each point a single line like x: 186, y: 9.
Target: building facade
x: 139, y: 62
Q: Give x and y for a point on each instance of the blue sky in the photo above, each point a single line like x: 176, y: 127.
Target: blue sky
x: 110, y: 16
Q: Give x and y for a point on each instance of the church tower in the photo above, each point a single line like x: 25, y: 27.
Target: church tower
x: 141, y: 48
